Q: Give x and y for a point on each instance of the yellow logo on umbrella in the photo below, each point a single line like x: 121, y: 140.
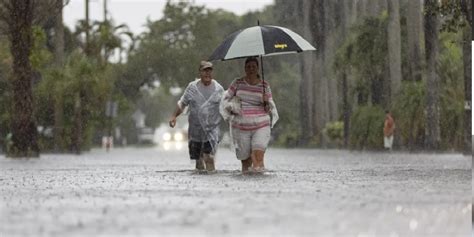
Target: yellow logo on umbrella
x: 280, y: 46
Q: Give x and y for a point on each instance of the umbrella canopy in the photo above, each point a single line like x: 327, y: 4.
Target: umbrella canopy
x: 260, y: 41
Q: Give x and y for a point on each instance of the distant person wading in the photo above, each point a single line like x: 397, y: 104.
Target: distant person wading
x: 388, y: 129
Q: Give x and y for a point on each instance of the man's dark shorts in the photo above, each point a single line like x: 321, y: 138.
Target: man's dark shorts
x: 197, y: 148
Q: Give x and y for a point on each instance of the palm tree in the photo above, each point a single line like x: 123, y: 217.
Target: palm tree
x: 102, y: 38
x: 105, y: 38
x: 18, y: 18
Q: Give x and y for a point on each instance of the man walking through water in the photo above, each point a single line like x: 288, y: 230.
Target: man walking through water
x: 202, y: 97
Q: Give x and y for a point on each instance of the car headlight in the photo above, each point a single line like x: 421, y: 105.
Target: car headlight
x: 167, y: 136
x: 178, y: 136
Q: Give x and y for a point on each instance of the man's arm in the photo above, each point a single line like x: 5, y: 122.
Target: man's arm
x: 180, y: 105
x: 176, y: 113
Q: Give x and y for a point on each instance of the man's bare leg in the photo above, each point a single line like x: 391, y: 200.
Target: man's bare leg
x: 200, y: 164
x: 209, y: 161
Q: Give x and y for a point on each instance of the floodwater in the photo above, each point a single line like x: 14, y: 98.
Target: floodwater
x: 150, y: 192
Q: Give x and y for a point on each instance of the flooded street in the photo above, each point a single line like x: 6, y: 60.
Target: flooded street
x: 137, y: 192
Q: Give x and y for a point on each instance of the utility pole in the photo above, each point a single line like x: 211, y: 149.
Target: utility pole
x: 87, y: 28
x: 105, y: 10
x: 106, y: 26
x: 59, y: 61
x: 111, y: 109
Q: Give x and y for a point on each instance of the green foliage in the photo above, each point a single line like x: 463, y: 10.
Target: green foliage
x: 453, y: 14
x: 335, y: 131
x: 450, y: 69
x: 173, y: 46
x: 40, y: 56
x: 104, y: 38
x: 285, y: 85
x: 157, y: 104
x: 62, y: 86
x: 364, y: 53
x: 408, y: 113
x: 367, y: 128
x: 409, y: 106
x: 5, y: 90
x: 170, y: 52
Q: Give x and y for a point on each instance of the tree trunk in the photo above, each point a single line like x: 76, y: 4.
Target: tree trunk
x: 320, y: 86
x: 335, y: 15
x: 467, y: 58
x: 349, y: 19
x: 432, y: 130
x: 377, y: 91
x: 76, y: 146
x: 414, y: 27
x: 347, y: 109
x: 306, y: 95
x: 24, y: 129
x: 374, y: 8
x: 59, y: 35
x: 59, y: 123
x: 362, y: 9
x: 59, y: 61
x: 394, y: 50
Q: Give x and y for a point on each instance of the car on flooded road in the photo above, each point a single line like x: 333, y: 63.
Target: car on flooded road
x: 176, y: 138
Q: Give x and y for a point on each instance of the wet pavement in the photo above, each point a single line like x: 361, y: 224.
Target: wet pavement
x: 150, y: 192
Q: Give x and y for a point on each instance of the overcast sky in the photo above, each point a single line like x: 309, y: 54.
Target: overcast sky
x: 135, y: 12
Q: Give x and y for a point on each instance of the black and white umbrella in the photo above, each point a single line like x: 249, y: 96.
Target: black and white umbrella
x: 260, y: 41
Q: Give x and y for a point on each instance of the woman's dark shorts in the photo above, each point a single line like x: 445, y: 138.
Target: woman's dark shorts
x: 197, y: 148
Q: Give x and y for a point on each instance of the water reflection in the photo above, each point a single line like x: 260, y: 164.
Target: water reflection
x: 172, y: 145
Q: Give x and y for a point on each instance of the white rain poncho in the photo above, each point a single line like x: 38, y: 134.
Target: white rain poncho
x: 204, y: 117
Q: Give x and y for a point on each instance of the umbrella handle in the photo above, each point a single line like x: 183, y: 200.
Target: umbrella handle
x: 263, y: 75
x: 265, y: 103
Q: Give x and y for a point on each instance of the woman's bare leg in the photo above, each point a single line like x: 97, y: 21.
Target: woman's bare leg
x: 246, y: 164
x: 258, y: 159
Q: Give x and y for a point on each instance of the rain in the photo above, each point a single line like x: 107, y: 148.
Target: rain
x: 236, y: 118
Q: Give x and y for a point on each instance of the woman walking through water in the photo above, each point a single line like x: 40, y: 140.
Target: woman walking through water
x: 251, y: 112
